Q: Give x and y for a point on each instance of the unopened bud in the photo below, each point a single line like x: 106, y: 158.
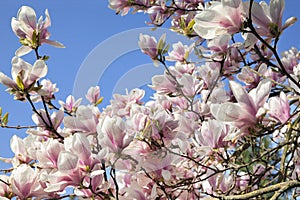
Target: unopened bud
x: 289, y: 22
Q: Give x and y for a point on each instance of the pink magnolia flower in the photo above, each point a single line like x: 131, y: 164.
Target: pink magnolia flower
x: 279, y: 108
x: 20, y: 148
x: 183, y: 23
x: 122, y: 104
x: 219, y: 18
x: 268, y: 18
x: 211, y: 134
x: 68, y: 173
x: 151, y: 47
x: 243, y: 114
x: 48, y: 153
x: 219, y: 44
x: 96, y: 181
x: 85, y: 121
x: 71, y: 105
x: 5, y: 189
x: 25, y: 182
x: 112, y: 134
x: 74, y: 164
x: 180, y: 52
x: 24, y: 76
x: 190, y: 85
x: 163, y: 84
x: 32, y: 34
x: 158, y: 14
x: 93, y: 95
x: 248, y: 77
x: 80, y: 146
x: 121, y: 6
x: 47, y: 91
x: 290, y: 59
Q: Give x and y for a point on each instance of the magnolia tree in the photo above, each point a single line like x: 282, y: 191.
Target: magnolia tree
x: 223, y: 122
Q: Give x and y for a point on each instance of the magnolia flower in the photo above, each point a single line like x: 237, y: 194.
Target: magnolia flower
x: 112, y: 134
x: 163, y: 84
x: 219, y: 44
x: 48, y: 153
x: 180, y: 52
x: 71, y: 105
x: 20, y: 148
x: 121, y: 6
x: 25, y: 182
x: 5, y: 190
x: 279, y: 108
x: 24, y: 76
x: 46, y: 91
x: 151, y: 47
x: 211, y: 134
x: 86, y: 120
x: 93, y: 95
x: 32, y: 34
x: 243, y: 114
x: 268, y: 18
x: 68, y: 173
x: 290, y: 60
x: 158, y: 14
x: 219, y: 18
x: 80, y: 146
x: 218, y: 182
x: 121, y: 104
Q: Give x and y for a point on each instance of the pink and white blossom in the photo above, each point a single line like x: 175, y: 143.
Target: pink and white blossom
x: 268, y: 18
x: 32, y: 34
x: 25, y: 182
x: 245, y: 113
x: 219, y: 17
x: 93, y: 95
x: 71, y: 105
x: 279, y: 108
x: 24, y: 76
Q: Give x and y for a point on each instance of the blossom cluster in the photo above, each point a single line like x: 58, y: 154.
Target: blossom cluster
x: 218, y: 127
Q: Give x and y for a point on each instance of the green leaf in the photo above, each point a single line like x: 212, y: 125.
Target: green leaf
x: 20, y: 84
x: 161, y: 43
x: 166, y: 49
x: 45, y: 58
x: 182, y: 23
x: 5, y: 119
x: 191, y: 25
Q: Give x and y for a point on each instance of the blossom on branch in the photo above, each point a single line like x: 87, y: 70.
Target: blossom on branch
x: 32, y: 34
x: 268, y: 18
x: 220, y: 17
x: 24, y: 77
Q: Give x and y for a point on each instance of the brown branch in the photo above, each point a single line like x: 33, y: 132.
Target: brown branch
x: 277, y: 188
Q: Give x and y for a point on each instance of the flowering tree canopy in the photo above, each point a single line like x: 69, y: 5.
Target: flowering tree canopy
x: 222, y: 124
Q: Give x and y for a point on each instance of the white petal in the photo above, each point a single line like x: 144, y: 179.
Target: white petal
x: 67, y: 161
x: 27, y: 16
x: 23, y: 50
x: 53, y: 43
x: 8, y: 82
x: 39, y: 69
x: 226, y: 112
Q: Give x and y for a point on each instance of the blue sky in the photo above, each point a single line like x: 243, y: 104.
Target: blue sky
x: 91, y: 33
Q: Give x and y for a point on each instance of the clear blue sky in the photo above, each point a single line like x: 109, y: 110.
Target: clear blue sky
x: 83, y: 27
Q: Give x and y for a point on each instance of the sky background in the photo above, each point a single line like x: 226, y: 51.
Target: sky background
x: 101, y: 49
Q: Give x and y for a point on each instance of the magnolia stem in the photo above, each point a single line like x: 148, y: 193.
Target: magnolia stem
x: 277, y: 188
